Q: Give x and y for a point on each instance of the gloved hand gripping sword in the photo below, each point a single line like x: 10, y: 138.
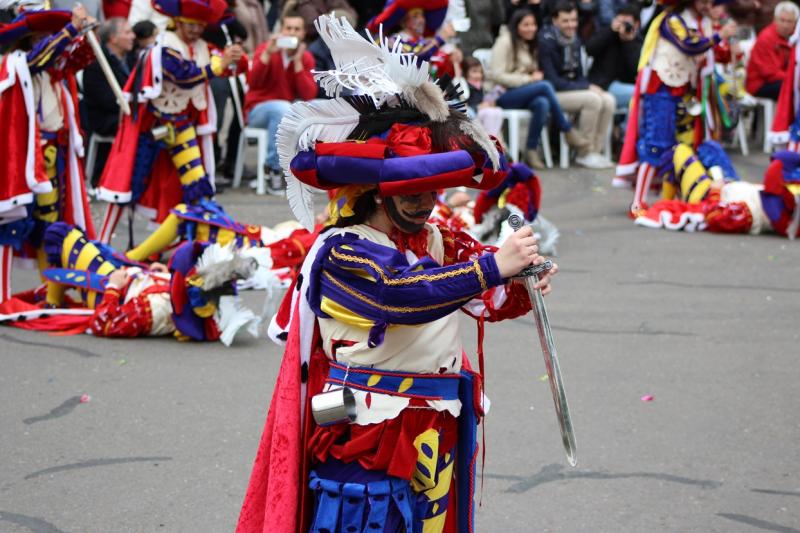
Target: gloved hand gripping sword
x: 530, y: 276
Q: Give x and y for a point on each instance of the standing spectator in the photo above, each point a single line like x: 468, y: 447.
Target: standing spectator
x: 560, y: 57
x: 116, y: 39
x: 280, y: 74
x: 616, y: 49
x: 514, y: 66
x: 769, y: 58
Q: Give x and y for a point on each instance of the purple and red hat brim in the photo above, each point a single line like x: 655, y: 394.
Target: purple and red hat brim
x: 392, y: 15
x: 30, y: 22
x: 207, y: 11
x: 332, y: 165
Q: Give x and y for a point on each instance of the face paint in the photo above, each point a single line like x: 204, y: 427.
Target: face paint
x: 410, y: 212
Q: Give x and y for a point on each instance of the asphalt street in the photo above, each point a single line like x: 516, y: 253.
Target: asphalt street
x: 705, y: 324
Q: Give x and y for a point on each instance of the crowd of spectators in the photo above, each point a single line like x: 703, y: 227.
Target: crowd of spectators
x: 572, y: 64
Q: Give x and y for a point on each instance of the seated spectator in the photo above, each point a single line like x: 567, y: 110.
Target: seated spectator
x: 616, y: 49
x: 116, y: 39
x: 420, y: 30
x: 560, y: 59
x: 769, y: 58
x: 480, y: 104
x: 280, y: 73
x: 514, y: 67
x: 537, y: 7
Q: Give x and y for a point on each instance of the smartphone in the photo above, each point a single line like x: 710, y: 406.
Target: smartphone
x: 287, y: 42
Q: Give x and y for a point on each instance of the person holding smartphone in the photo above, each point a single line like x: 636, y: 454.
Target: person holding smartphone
x: 280, y: 74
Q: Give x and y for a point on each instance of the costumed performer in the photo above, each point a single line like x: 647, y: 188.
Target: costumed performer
x: 41, y: 176
x: 194, y: 298
x: 739, y: 206
x: 676, y: 99
x: 419, y: 26
x: 374, y: 307
x: 163, y: 152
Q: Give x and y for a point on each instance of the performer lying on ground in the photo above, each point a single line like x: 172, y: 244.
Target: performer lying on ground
x: 375, y: 308
x: 194, y: 299
x: 738, y: 206
x: 41, y: 179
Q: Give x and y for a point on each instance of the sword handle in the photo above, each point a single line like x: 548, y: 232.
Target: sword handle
x: 516, y: 222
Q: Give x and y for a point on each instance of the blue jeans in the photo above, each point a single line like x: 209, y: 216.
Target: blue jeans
x: 540, y: 98
x: 267, y: 115
x: 622, y: 92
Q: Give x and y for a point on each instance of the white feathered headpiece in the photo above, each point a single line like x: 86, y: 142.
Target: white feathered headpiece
x: 383, y: 77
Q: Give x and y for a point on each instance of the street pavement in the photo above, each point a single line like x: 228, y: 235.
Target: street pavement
x: 705, y: 324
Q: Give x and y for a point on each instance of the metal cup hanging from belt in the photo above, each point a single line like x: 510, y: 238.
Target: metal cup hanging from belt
x: 336, y: 406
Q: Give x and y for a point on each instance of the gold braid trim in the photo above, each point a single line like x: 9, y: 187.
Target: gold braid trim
x: 391, y: 308
x: 411, y: 279
x: 480, y: 274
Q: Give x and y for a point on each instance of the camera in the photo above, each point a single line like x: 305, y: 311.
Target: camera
x: 287, y: 42
x: 627, y: 27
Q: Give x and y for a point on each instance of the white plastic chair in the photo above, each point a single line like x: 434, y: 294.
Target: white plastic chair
x: 91, y: 153
x: 514, y: 117
x: 262, y: 140
x: 484, y: 55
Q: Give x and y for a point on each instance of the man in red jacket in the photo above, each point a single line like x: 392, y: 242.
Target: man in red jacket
x: 770, y: 56
x: 281, y: 73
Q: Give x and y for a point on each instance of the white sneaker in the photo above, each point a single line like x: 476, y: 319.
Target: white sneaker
x: 594, y: 161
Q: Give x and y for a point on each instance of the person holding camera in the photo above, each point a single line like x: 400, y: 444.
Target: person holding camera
x: 280, y: 74
x: 616, y: 49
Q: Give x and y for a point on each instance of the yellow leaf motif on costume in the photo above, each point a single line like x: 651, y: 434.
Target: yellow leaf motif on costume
x: 405, y: 384
x: 373, y: 380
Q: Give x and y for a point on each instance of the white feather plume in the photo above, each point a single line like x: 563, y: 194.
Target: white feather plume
x: 304, y: 124
x: 380, y: 71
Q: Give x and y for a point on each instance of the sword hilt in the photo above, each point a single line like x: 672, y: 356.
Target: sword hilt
x: 516, y: 222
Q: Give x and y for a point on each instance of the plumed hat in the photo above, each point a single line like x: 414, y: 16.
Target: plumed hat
x: 30, y: 17
x: 208, y: 11
x: 395, y: 10
x: 401, y: 134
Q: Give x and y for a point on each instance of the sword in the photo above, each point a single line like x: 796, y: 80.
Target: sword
x: 530, y: 276
x: 237, y: 103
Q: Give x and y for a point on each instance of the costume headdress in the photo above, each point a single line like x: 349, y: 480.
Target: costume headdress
x: 395, y: 10
x: 30, y: 17
x: 390, y: 136
x: 208, y: 11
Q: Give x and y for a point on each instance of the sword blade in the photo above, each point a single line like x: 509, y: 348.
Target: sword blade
x: 553, y: 368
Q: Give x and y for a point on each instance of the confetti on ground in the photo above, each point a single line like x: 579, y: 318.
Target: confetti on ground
x: 648, y: 398
x: 122, y: 362
x: 85, y: 398
x: 770, y: 258
x: 543, y: 377
x: 579, y: 232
